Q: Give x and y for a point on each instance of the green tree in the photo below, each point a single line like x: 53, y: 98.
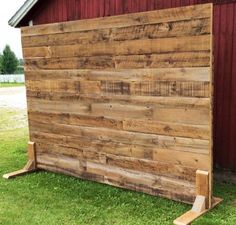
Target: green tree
x: 20, y: 67
x: 9, y: 61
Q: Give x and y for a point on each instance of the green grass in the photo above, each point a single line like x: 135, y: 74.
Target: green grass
x: 44, y: 198
x: 2, y: 85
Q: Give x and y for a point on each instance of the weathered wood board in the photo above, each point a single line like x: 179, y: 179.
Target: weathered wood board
x: 124, y: 100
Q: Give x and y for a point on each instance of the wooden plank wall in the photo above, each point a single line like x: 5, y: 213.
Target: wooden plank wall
x: 124, y: 100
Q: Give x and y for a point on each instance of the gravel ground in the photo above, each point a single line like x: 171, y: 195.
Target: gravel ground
x: 13, y: 97
x: 13, y: 108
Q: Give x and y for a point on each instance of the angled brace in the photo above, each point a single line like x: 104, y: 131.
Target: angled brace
x: 203, y: 202
x: 31, y: 165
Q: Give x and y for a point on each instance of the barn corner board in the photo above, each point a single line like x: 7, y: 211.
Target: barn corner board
x: 127, y: 101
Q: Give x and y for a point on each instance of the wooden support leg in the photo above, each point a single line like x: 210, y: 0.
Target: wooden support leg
x: 29, y: 167
x: 203, y: 202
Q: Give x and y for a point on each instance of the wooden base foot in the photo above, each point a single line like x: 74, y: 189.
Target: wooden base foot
x: 204, y: 201
x: 30, y: 166
x: 191, y: 215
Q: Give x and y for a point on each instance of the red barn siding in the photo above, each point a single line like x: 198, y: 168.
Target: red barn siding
x: 52, y: 11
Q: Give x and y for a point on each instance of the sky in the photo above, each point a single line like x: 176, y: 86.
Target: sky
x: 9, y: 35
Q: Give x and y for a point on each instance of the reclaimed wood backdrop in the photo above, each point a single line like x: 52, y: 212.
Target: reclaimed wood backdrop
x: 124, y: 100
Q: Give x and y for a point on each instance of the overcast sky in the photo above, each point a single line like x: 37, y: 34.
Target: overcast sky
x: 9, y: 35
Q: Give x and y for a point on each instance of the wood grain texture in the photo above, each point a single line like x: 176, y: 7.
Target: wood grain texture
x: 141, y: 32
x: 118, y: 48
x: 124, y: 100
x: 145, y: 18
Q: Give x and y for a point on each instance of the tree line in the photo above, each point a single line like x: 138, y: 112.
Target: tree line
x: 9, y: 63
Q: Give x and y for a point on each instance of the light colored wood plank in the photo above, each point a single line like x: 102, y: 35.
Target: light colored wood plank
x: 190, y: 159
x: 152, y: 167
x: 202, y: 185
x: 167, y: 60
x: 96, y: 151
x: 134, y: 47
x: 75, y: 118
x: 43, y: 97
x: 129, y: 75
x: 190, y: 216
x: 155, y: 30
x: 103, y: 136
x: 113, y: 175
x: 169, y: 129
x: 16, y: 174
x: 199, y: 204
x: 69, y: 86
x: 144, y: 88
x: 32, y: 151
x: 30, y: 166
x: 119, y: 111
x: 144, y: 18
x: 181, y: 115
x: 58, y: 106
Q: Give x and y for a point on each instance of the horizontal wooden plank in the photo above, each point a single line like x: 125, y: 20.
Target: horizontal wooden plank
x: 115, y: 113
x: 182, y: 115
x: 101, y: 112
x: 167, y: 60
x: 64, y: 85
x: 77, y: 146
x: 70, y: 86
x: 94, y: 152
x: 166, y: 15
x: 149, y: 31
x: 152, y: 167
x: 156, y: 113
x: 125, y: 179
x: 69, y: 163
x: 143, y: 126
x: 85, y: 154
x: 121, y: 111
x: 145, y: 88
x: 75, y: 119
x: 118, y: 48
x: 169, y: 129
x: 58, y: 106
x: 42, y: 97
x: 129, y: 75
x: 157, y: 88
x: 128, y: 137
x: 70, y: 63
x: 134, y: 178
x: 112, y: 115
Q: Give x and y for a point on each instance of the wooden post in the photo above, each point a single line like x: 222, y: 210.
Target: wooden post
x: 202, y: 186
x: 29, y: 167
x: 203, y: 202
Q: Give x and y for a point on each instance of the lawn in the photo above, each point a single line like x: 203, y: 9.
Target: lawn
x: 2, y: 85
x: 44, y: 198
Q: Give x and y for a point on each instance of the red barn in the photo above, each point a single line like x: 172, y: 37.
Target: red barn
x: 36, y: 12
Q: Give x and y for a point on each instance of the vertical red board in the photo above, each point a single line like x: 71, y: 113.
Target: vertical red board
x: 232, y: 132
x: 216, y: 83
